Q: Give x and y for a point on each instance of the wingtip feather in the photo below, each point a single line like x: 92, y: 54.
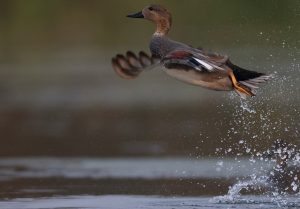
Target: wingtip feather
x: 122, y: 71
x: 130, y: 65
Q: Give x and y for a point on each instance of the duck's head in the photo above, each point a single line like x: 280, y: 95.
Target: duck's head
x: 157, y: 14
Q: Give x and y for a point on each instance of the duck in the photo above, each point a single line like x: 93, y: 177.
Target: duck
x: 185, y: 63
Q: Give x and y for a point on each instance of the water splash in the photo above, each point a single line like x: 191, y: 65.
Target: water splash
x: 246, y: 106
x: 273, y: 114
x: 279, y: 182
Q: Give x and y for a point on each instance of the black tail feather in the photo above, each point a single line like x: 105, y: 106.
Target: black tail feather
x: 248, y: 80
x: 243, y: 74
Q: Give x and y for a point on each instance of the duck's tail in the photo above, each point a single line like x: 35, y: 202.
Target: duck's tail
x: 247, y: 82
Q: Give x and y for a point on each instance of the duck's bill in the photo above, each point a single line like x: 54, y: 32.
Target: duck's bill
x: 136, y: 15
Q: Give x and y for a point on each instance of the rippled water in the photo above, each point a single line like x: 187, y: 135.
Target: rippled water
x: 147, y: 202
x: 138, y: 183
x: 144, y: 168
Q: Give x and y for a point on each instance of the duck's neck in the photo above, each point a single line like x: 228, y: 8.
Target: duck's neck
x: 163, y: 26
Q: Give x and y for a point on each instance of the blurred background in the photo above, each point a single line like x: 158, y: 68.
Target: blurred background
x: 60, y: 97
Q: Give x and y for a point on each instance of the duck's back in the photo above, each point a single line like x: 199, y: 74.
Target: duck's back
x: 160, y: 46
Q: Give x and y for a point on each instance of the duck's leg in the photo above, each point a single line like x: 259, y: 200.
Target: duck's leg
x: 238, y: 86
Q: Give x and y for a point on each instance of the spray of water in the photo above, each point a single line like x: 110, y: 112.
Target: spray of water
x: 278, y: 182
x: 266, y: 120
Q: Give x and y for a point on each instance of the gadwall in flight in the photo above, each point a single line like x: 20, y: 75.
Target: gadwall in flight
x: 183, y: 62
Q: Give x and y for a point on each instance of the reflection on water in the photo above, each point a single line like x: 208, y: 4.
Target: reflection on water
x: 147, y: 202
x: 29, y: 177
x: 144, y: 168
x: 90, y: 183
x: 44, y: 176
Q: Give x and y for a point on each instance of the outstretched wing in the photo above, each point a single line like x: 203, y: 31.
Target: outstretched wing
x: 129, y: 66
x: 187, y: 59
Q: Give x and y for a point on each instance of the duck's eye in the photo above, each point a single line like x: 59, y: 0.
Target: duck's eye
x: 151, y: 8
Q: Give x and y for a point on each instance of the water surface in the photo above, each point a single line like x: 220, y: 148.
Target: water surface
x: 117, y: 183
x: 149, y: 202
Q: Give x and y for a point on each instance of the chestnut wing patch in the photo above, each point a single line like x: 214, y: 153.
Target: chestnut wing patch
x: 186, y: 60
